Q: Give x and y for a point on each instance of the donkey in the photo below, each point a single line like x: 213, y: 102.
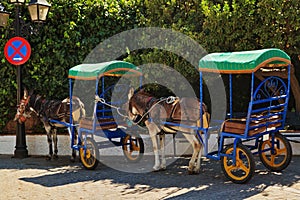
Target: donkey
x: 142, y: 107
x: 47, y: 110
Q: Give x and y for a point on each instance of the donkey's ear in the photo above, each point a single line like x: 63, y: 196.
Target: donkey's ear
x: 25, y: 93
x: 31, y: 92
x: 130, y: 93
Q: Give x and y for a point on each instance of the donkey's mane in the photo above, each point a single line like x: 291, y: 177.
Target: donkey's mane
x: 141, y: 98
x: 142, y: 92
x: 47, y: 108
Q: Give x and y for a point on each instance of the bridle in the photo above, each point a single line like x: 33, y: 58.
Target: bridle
x: 21, y: 116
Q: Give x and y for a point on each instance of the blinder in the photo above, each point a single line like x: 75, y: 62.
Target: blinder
x: 137, y: 118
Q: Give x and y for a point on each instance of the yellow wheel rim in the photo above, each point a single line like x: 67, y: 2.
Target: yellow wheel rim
x: 131, y: 148
x: 241, y: 169
x: 279, y: 150
x: 87, y: 153
x: 87, y: 157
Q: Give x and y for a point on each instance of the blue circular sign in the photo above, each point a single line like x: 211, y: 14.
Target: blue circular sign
x: 17, y: 51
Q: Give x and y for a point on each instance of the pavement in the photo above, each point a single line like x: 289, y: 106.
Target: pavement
x: 114, y: 178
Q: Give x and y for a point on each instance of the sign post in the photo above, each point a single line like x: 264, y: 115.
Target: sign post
x: 17, y: 51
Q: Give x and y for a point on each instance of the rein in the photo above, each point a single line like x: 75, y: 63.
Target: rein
x: 168, y: 100
x: 101, y: 100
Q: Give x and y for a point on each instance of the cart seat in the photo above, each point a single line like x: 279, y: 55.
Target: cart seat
x: 101, y: 124
x: 259, y: 125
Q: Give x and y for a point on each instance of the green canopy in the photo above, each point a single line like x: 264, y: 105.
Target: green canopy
x: 112, y: 68
x: 243, y: 61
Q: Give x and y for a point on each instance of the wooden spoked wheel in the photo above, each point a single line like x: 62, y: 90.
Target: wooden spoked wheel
x: 133, y: 148
x: 276, y: 152
x: 242, y: 171
x: 89, y: 154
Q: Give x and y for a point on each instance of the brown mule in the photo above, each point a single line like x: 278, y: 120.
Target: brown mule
x: 142, y: 107
x: 47, y: 110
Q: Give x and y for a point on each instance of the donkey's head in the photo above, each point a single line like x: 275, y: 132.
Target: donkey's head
x: 23, y: 110
x: 136, y: 105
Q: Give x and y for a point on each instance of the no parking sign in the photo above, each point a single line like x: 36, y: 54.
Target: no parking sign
x: 17, y: 51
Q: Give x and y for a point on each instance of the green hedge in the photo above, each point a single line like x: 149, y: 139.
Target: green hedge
x: 75, y: 27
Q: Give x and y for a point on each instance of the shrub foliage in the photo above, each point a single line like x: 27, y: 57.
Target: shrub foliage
x: 75, y: 27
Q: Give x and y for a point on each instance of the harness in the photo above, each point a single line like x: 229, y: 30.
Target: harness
x: 47, y: 109
x: 151, y: 105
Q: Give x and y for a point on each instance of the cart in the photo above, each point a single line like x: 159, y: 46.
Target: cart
x: 257, y: 132
x: 102, y: 79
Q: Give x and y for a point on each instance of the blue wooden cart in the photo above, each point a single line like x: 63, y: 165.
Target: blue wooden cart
x: 240, y: 137
x: 101, y: 121
x: 258, y: 131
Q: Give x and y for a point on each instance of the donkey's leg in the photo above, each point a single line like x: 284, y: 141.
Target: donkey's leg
x: 162, y: 151
x: 73, y: 139
x: 55, y: 140
x: 196, y: 148
x: 49, y: 139
x: 156, y: 166
x: 73, y: 156
x: 198, y: 164
x: 76, y: 138
x: 153, y: 130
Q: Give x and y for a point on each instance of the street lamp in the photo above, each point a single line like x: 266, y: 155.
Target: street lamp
x: 3, y: 16
x: 17, y: 2
x: 38, y: 10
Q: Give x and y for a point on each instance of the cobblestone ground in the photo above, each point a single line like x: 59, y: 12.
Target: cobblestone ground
x: 35, y: 178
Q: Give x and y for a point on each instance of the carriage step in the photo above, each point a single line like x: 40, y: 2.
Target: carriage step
x: 213, y: 155
x: 76, y: 147
x: 101, y: 124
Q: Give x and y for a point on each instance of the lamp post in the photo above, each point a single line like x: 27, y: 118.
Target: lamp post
x: 38, y: 10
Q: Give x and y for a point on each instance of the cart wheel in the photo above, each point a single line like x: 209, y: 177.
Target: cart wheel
x: 89, y: 156
x: 133, y: 148
x: 279, y: 158
x: 244, y: 168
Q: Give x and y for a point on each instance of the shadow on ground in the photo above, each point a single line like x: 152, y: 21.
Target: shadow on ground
x: 209, y: 183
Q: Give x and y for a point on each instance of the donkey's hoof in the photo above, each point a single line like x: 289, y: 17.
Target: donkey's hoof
x: 55, y: 157
x: 197, y: 171
x: 193, y: 172
x: 163, y: 168
x: 156, y: 169
x: 48, y: 157
x: 190, y: 172
x: 72, y: 159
